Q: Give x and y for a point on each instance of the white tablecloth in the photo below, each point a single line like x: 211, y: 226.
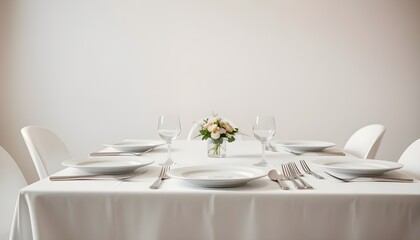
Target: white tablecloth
x: 258, y: 210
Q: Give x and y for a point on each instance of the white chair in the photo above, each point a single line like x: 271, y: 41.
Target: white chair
x: 46, y: 149
x: 411, y: 159
x: 195, y: 130
x: 364, y: 143
x: 11, y: 181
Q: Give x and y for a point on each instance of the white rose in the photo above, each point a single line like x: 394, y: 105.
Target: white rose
x: 228, y: 127
x: 212, y: 127
x: 215, y: 134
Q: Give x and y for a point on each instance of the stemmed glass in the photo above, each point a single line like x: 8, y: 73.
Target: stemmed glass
x: 264, y: 129
x: 169, y: 127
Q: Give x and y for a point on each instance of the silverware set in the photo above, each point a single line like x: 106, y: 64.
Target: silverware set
x: 291, y: 172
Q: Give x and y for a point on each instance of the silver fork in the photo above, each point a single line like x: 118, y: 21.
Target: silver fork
x: 308, y: 170
x: 294, y: 175
x: 296, y: 169
x: 162, y: 175
x: 288, y: 176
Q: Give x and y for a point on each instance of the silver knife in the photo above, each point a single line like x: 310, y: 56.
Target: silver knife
x: 372, y: 179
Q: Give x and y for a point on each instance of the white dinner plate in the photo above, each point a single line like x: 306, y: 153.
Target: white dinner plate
x: 108, y: 165
x: 135, y: 145
x: 353, y: 166
x: 305, y: 146
x: 217, y: 176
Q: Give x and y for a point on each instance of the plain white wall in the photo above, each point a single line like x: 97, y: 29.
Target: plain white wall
x: 97, y: 71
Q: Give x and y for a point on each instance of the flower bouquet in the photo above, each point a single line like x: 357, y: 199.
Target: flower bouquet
x: 217, y: 131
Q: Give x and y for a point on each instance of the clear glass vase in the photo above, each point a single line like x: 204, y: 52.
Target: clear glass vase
x: 216, y: 148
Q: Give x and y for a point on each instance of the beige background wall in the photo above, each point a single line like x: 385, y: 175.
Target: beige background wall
x: 97, y: 71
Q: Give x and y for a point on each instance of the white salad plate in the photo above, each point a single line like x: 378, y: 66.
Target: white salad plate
x: 135, y: 145
x: 360, y: 167
x: 304, y: 146
x: 217, y: 176
x: 108, y: 165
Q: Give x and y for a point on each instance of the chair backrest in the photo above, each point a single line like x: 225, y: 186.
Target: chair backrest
x: 195, y: 130
x: 46, y: 149
x: 11, y: 181
x: 411, y: 159
x: 364, y: 143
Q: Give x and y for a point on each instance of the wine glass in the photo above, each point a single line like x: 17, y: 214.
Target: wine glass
x: 169, y: 127
x: 264, y: 129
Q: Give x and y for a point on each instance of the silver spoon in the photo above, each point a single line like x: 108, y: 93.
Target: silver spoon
x: 276, y: 176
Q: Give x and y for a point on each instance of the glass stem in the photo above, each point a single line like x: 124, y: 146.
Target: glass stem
x: 263, y: 143
x: 169, y: 151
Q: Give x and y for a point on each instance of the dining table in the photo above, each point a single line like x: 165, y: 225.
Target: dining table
x: 129, y: 209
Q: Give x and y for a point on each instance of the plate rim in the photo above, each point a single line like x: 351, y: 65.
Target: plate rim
x: 283, y: 143
x: 131, y: 143
x: 146, y: 162
x: 395, y: 166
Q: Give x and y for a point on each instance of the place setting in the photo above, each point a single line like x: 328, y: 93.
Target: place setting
x: 104, y: 168
x: 230, y: 176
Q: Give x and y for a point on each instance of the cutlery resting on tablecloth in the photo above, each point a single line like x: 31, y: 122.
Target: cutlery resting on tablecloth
x: 393, y: 176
